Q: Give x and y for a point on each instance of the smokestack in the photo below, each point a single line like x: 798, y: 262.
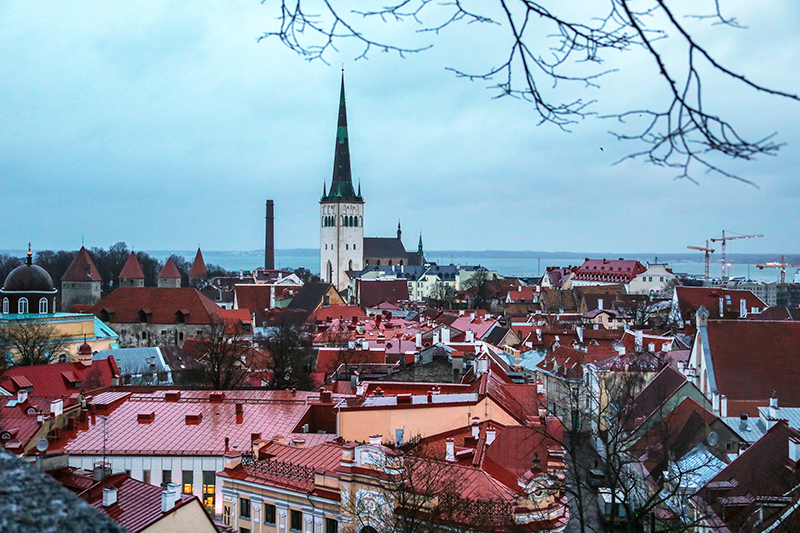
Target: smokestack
x: 269, y: 248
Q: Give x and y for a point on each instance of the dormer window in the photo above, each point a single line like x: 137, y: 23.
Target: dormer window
x: 144, y: 315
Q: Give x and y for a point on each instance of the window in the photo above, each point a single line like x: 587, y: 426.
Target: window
x: 244, y: 508
x: 163, y: 333
x: 244, y: 530
x: 42, y: 306
x: 144, y: 335
x: 22, y: 306
x: 208, y: 490
x: 5, y: 306
x: 346, y: 246
x: 296, y: 522
x: 331, y: 526
x: 269, y: 514
x: 180, y: 335
x: 188, y: 476
x: 146, y: 476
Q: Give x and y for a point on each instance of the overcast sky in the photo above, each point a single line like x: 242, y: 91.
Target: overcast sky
x: 165, y: 124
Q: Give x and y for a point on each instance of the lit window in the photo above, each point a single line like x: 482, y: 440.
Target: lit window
x: 22, y: 306
x: 43, y: 306
x: 188, y: 478
x: 208, y: 490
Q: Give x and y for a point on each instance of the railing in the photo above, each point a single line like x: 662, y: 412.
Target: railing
x: 279, y: 470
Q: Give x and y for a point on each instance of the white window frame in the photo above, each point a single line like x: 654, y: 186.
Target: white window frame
x: 22, y: 303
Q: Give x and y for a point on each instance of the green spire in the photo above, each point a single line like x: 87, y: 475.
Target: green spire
x: 342, y: 184
x: 419, y: 249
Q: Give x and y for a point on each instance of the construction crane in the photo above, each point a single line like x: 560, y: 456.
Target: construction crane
x: 725, y: 239
x: 707, y: 250
x: 782, y: 265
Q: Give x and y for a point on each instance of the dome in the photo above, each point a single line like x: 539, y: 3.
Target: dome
x: 29, y: 278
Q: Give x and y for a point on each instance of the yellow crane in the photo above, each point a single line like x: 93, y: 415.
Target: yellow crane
x: 707, y: 250
x: 782, y: 265
x: 725, y: 239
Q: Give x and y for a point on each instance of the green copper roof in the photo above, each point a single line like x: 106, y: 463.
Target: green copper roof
x: 342, y: 183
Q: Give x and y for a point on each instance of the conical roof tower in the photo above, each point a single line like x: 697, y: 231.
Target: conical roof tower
x: 342, y: 183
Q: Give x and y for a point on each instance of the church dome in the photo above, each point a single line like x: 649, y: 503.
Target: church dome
x: 29, y: 278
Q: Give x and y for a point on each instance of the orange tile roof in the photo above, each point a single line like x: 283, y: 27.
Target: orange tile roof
x: 162, y: 304
x: 132, y: 269
x: 170, y: 270
x: 82, y: 268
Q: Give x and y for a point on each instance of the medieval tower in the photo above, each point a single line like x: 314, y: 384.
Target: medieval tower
x: 341, y: 244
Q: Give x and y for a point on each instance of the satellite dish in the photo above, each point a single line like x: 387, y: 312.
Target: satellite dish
x: 713, y: 438
x: 42, y: 444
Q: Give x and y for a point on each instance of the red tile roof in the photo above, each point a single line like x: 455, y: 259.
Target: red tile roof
x: 328, y: 313
x: 611, y: 271
x: 753, y: 358
x: 568, y: 362
x: 49, y: 381
x: 198, y: 269
x: 138, y: 504
x: 649, y: 401
x: 169, y: 271
x: 82, y: 268
x: 132, y: 269
x: 162, y: 305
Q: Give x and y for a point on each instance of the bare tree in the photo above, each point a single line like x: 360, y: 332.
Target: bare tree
x: 548, y: 46
x: 227, y: 357
x: 32, y: 342
x: 478, y: 290
x: 442, y: 295
x: 289, y: 353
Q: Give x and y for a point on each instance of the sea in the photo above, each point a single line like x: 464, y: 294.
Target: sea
x: 517, y: 263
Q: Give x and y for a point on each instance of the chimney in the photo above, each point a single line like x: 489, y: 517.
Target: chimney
x: 579, y: 331
x: 794, y: 449
x: 715, y: 402
x: 721, y: 307
x: 22, y: 395
x: 539, y: 387
x: 101, y: 470
x: 445, y: 335
x: 491, y: 433
x: 57, y: 407
x: 435, y: 337
x: 170, y: 496
x: 418, y: 339
x: 269, y: 245
x: 773, y: 406
x: 470, y: 336
x: 476, y: 427
x: 375, y: 440
x: 621, y: 349
x: 651, y: 347
x: 600, y: 303
x: 723, y: 406
x: 481, y: 366
x: 239, y: 409
x: 109, y: 496
x: 666, y: 347
x: 639, y: 340
x: 450, y: 450
x: 742, y: 308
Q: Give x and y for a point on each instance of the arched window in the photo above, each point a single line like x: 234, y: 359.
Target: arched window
x: 350, y: 266
x: 22, y: 306
x: 346, y: 246
x: 5, y: 306
x: 43, y: 306
x: 354, y: 246
x: 351, y: 221
x: 378, y: 262
x: 390, y: 262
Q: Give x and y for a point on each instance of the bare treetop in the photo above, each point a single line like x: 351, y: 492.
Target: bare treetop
x: 549, y: 47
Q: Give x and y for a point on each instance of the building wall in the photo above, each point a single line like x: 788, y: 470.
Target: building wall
x: 79, y: 292
x: 651, y: 280
x: 189, y: 517
x: 130, y: 334
x: 74, y: 328
x: 130, y: 282
x: 172, y: 283
x: 358, y: 425
x: 341, y: 247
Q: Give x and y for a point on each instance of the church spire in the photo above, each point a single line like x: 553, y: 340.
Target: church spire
x: 342, y: 184
x: 419, y: 249
x: 399, y: 231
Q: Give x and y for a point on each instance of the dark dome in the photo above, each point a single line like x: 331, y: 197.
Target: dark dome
x: 29, y: 278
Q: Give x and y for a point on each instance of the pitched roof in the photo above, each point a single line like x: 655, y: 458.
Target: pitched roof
x: 373, y: 292
x: 377, y: 247
x: 145, y: 364
x: 198, y: 269
x: 170, y: 271
x: 82, y: 268
x: 691, y: 298
x: 162, y: 305
x: 648, y: 402
x: 753, y: 358
x: 132, y: 269
x: 612, y: 271
x: 169, y: 432
x: 54, y: 380
x: 310, y: 296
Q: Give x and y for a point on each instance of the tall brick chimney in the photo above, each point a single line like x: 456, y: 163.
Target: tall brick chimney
x: 269, y: 247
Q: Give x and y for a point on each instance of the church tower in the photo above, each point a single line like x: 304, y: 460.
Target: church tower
x: 341, y: 246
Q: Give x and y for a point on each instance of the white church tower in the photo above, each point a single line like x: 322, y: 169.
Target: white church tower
x: 341, y: 246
